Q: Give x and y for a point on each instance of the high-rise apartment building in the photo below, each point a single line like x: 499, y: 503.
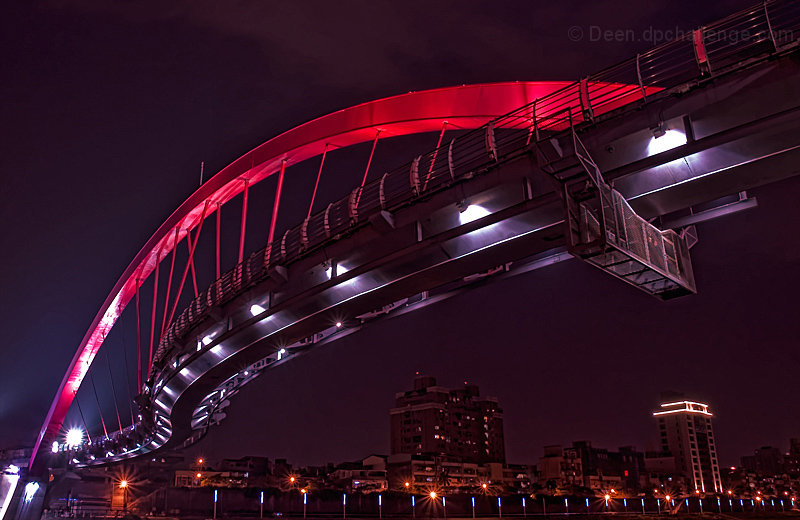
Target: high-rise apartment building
x: 456, y: 424
x: 687, y: 436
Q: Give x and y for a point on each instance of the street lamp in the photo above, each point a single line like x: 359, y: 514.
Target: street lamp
x: 123, y: 485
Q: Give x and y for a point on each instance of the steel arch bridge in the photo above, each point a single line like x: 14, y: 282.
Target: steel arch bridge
x: 523, y: 174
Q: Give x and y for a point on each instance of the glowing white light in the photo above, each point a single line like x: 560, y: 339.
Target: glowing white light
x: 74, y: 437
x: 671, y: 139
x: 54, y: 447
x: 246, y: 373
x: 30, y: 490
x: 256, y: 309
x: 686, y: 406
x: 338, y: 324
x: 281, y: 352
x: 14, y: 470
x: 207, y: 340
x: 217, y: 349
x: 471, y: 213
x: 340, y: 269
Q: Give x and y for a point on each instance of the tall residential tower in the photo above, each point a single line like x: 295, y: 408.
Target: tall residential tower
x: 687, y: 436
x: 456, y: 424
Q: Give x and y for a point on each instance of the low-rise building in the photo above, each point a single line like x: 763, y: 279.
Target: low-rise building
x: 365, y: 476
x: 418, y: 473
x: 584, y: 468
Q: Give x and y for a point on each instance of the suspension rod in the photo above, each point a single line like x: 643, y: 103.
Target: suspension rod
x: 169, y: 283
x: 99, y: 410
x: 191, y: 267
x: 244, y: 221
x: 369, y: 161
x: 191, y: 250
x: 113, y: 390
x: 85, y: 426
x: 274, y: 217
x: 435, y: 153
x: 192, y: 246
x: 316, y: 184
x: 138, y: 340
x: 127, y: 379
x: 152, y: 319
x: 219, y: 222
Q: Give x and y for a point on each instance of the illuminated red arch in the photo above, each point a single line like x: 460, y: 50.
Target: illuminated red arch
x: 463, y: 107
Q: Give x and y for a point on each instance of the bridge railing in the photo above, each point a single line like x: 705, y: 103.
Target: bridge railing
x: 756, y: 32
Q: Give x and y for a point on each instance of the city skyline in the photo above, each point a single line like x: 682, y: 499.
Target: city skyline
x: 127, y: 124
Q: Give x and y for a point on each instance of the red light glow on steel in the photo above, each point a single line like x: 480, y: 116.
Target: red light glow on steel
x: 465, y: 107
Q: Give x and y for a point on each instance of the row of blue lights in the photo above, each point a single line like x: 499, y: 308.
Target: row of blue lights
x: 434, y: 496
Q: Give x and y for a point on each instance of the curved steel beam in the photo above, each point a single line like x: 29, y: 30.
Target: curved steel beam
x: 465, y: 107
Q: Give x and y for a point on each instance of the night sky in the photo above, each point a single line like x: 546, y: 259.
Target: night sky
x: 109, y: 108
